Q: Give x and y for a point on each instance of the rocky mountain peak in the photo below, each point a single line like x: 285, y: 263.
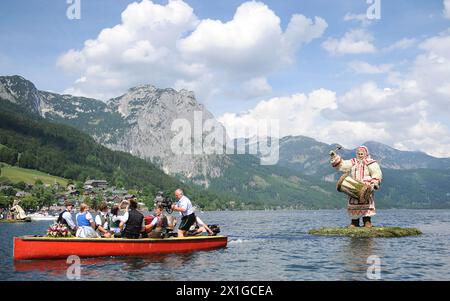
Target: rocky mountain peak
x: 20, y: 91
x: 146, y: 98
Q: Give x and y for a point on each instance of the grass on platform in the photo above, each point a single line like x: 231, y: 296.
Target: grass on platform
x: 362, y: 232
x: 17, y: 174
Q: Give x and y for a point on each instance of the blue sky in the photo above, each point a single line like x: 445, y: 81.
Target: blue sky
x: 35, y: 35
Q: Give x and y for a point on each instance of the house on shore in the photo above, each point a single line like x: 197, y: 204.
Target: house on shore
x: 99, y: 184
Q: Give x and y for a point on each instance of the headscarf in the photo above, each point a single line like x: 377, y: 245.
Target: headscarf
x: 365, y: 149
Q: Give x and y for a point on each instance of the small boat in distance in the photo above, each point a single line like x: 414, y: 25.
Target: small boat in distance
x: 39, y: 247
x: 42, y: 217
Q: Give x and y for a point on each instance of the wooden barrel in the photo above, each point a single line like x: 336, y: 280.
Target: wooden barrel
x: 354, y: 188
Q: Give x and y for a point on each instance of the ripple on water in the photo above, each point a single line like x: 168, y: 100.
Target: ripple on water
x: 275, y: 246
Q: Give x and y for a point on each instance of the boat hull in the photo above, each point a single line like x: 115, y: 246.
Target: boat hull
x: 29, y: 247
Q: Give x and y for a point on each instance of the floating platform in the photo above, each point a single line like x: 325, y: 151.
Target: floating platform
x: 362, y: 232
x: 31, y: 247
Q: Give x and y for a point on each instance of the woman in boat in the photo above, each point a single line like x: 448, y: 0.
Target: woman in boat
x: 86, y: 224
x: 115, y: 220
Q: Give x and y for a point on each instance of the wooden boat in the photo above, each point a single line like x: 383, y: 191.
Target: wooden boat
x: 32, y: 247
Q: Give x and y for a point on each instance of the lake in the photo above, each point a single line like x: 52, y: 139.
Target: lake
x: 266, y: 245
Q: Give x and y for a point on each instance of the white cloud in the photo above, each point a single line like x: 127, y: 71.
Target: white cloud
x: 167, y: 45
x: 355, y: 41
x: 301, y: 30
x: 402, y: 44
x: 256, y: 87
x: 366, y: 68
x: 296, y: 114
x: 447, y: 9
x: 410, y: 114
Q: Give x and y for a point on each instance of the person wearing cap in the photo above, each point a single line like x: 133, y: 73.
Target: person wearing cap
x: 364, y: 169
x: 187, y: 212
x: 65, y: 217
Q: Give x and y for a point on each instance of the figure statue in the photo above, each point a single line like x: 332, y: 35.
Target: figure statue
x: 363, y: 176
x: 17, y: 211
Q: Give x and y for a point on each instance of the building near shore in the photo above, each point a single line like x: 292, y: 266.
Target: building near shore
x: 100, y: 184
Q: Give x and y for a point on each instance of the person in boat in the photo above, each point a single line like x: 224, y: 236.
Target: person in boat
x: 158, y: 227
x: 86, y: 224
x: 187, y: 212
x: 364, y: 169
x: 200, y: 228
x: 65, y: 217
x: 102, y: 221
x: 132, y: 223
x: 114, y: 221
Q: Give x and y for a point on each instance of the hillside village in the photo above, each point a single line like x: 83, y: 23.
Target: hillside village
x: 49, y: 199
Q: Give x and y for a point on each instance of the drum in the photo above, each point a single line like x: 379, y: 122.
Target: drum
x: 354, y: 188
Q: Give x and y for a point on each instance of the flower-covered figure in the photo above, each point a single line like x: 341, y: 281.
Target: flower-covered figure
x: 366, y: 170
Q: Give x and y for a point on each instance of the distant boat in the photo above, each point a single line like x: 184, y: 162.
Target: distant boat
x: 42, y: 217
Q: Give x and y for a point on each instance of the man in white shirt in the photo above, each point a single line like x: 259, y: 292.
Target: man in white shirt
x: 187, y: 212
x: 102, y: 221
x: 65, y: 217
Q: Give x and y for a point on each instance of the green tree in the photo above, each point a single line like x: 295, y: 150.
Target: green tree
x: 88, y: 201
x: 29, y: 202
x: 21, y: 185
x: 8, y: 155
x: 95, y: 202
x: 4, y: 181
x: 5, y: 201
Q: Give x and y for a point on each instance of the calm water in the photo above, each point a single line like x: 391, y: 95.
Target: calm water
x: 266, y: 245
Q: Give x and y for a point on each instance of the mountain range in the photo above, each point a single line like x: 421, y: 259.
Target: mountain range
x: 140, y: 122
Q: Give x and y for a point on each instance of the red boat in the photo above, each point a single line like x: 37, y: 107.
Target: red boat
x: 31, y: 247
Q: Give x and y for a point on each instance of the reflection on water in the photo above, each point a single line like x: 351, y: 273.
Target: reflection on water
x: 108, y: 266
x: 274, y: 246
x: 355, y: 254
